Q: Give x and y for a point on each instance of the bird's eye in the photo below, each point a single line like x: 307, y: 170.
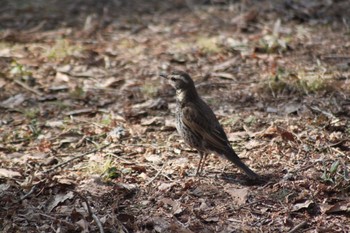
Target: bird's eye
x: 172, y: 79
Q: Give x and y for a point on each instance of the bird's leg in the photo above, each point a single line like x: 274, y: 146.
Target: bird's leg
x: 201, y: 154
x: 203, y: 162
x: 224, y: 168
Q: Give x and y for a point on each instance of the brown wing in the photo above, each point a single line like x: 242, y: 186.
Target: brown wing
x: 205, y: 125
x: 208, y: 129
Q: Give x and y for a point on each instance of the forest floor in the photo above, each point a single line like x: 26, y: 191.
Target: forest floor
x: 87, y: 136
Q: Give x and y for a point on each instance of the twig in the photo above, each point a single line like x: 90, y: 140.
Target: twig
x: 76, y: 157
x: 28, y: 87
x: 298, y: 227
x: 317, y: 109
x: 338, y: 151
x: 162, y: 173
x: 29, y: 193
x: 59, y: 220
x: 155, y: 177
x: 223, y: 84
x: 37, y: 27
x: 96, y: 219
x: 89, y: 122
x: 252, y: 203
x: 336, y: 56
x: 129, y: 163
x: 120, y: 158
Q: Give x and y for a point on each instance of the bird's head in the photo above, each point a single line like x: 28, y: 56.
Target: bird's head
x: 180, y: 80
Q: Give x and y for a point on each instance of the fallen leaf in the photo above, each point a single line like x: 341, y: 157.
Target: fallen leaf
x: 62, y: 77
x: 286, y: 135
x: 225, y: 65
x: 271, y: 110
x: 252, y: 144
x: 83, y: 224
x: 292, y: 108
x: 9, y: 173
x: 156, y: 159
x: 13, y: 101
x: 112, y: 82
x: 59, y: 198
x: 175, y: 205
x: 342, y: 207
x: 211, y: 219
x: 239, y: 195
x: 223, y: 75
x: 304, y: 205
x: 2, y: 83
x: 54, y: 124
x: 152, y: 121
x: 165, y: 186
x: 81, y: 111
x: 4, y: 187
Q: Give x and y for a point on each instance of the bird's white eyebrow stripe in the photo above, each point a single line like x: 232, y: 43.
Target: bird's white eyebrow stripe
x: 183, y: 78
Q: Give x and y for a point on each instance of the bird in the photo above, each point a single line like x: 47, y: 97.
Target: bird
x: 197, y: 124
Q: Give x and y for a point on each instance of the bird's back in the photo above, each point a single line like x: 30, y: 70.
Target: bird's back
x: 199, y: 127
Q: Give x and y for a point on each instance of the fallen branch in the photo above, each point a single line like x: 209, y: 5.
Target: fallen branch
x: 129, y: 163
x: 155, y: 177
x: 29, y: 193
x: 298, y: 227
x: 96, y: 219
x: 71, y: 225
x: 22, y: 84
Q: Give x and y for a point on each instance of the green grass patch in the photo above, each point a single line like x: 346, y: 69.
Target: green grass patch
x: 297, y: 81
x: 62, y: 49
x: 208, y: 44
x: 149, y: 90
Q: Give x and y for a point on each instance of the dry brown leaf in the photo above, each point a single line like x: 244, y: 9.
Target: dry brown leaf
x: 166, y: 186
x: 342, y: 207
x: 238, y: 195
x: 2, y: 83
x: 64, y: 180
x: 253, y: 144
x: 54, y: 124
x: 112, y: 82
x: 225, y: 65
x: 223, y: 75
x: 175, y: 205
x: 274, y: 131
x: 62, y: 77
x: 59, y: 198
x: 211, y: 219
x: 13, y: 101
x: 9, y: 173
x: 154, y: 158
x: 4, y: 187
x: 152, y: 121
x: 81, y: 111
x: 84, y: 225
x: 304, y: 205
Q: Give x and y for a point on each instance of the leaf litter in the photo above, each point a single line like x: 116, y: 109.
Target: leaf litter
x: 87, y: 133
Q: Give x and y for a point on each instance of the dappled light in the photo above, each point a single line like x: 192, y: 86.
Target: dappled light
x: 88, y: 139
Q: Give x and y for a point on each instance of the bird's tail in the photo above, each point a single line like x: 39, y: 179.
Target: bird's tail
x: 233, y: 157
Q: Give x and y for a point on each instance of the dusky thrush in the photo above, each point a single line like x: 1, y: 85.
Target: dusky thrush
x: 198, y: 125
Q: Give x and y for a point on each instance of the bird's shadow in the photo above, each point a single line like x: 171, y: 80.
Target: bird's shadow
x: 244, y: 180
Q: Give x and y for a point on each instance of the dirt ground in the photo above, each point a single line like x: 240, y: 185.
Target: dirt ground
x: 87, y: 136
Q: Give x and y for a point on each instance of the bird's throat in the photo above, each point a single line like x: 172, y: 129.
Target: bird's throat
x: 187, y: 95
x: 180, y: 95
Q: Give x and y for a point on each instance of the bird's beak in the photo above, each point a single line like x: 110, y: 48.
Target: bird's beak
x: 163, y: 75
